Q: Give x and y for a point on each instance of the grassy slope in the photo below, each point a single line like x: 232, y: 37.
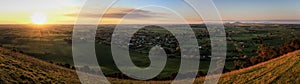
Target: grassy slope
x: 19, y: 68
x: 284, y: 69
x: 16, y: 67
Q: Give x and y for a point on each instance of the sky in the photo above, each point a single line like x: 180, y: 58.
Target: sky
x: 139, y: 11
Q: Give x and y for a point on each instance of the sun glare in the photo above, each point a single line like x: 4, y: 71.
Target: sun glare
x: 38, y: 18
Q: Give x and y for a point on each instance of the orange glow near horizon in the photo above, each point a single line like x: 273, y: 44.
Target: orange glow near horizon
x: 66, y: 12
x: 39, y: 18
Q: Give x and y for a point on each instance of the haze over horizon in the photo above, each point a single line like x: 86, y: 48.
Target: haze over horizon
x: 66, y: 11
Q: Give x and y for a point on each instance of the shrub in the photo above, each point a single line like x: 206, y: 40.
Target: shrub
x: 21, y: 51
x: 267, y: 52
x: 67, y: 65
x: 238, y: 64
x: 289, y: 46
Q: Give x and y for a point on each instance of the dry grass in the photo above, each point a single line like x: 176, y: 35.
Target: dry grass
x: 19, y: 68
x: 284, y: 69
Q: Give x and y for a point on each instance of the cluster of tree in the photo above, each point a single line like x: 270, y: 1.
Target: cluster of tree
x: 66, y: 65
x: 120, y: 75
x: 289, y: 46
x: 266, y: 52
x: 68, y: 40
x: 238, y: 64
x: 87, y: 69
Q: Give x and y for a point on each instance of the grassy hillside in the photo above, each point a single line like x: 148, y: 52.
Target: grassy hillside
x: 282, y: 70
x: 19, y: 68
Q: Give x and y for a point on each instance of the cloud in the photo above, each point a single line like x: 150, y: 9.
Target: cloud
x: 121, y: 12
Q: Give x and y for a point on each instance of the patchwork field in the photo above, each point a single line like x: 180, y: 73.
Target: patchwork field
x: 52, y: 43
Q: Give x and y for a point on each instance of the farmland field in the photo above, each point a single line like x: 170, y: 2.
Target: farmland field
x: 281, y: 70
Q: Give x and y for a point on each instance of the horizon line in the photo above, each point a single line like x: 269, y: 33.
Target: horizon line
x: 224, y: 21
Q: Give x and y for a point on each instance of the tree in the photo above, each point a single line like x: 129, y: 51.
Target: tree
x: 266, y: 52
x: 294, y: 44
x: 289, y: 46
x: 238, y: 64
x: 253, y: 60
x: 67, y: 65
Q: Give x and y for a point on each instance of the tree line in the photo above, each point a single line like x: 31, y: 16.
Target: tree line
x: 266, y: 52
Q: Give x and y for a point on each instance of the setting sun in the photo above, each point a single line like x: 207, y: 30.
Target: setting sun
x: 38, y: 18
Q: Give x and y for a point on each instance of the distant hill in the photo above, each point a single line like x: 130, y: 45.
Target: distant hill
x: 19, y: 68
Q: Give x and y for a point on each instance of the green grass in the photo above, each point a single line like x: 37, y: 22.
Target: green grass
x: 281, y: 70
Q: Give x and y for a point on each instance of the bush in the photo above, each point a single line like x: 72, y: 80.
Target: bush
x: 85, y: 69
x: 267, y: 52
x: 238, y: 64
x: 21, y: 52
x: 289, y: 46
x: 225, y: 69
x: 67, y: 65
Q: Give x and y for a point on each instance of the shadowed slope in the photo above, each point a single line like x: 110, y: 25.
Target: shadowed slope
x: 19, y: 68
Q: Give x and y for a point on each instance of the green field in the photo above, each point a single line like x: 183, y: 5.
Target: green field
x: 281, y: 70
x: 17, y: 68
x: 50, y: 43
